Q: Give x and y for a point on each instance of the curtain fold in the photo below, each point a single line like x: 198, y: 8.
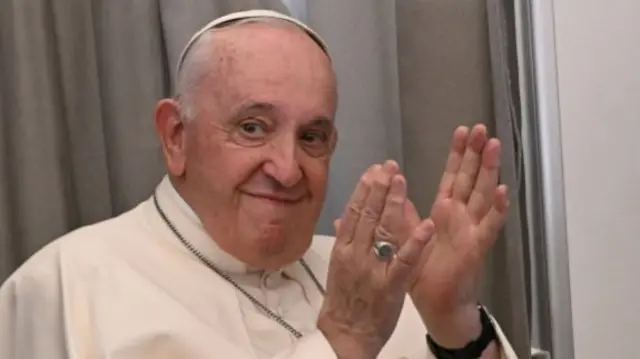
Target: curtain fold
x: 78, y: 84
x: 361, y: 36
x: 409, y: 73
x: 79, y: 81
x: 509, y: 295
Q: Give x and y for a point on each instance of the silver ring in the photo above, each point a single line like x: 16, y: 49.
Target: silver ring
x: 384, y: 250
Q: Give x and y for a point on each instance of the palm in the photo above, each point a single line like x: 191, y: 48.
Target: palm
x: 446, y: 275
x: 468, y: 212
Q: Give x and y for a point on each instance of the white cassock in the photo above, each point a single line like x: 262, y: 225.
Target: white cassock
x: 127, y: 288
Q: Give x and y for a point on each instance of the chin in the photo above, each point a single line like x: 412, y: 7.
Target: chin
x: 281, y: 249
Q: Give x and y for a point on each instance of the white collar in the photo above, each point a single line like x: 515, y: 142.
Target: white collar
x: 189, y: 225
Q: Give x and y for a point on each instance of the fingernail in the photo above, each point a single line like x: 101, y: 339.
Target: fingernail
x: 398, y: 186
x: 391, y: 166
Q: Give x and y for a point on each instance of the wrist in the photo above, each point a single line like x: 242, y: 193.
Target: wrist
x: 344, y: 343
x: 455, y: 329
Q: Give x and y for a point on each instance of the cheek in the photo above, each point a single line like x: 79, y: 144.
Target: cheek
x: 317, y: 172
x: 220, y: 168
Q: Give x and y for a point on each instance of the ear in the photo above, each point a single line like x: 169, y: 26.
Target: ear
x: 171, y: 131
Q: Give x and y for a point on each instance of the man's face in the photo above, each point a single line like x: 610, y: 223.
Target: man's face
x: 258, y: 151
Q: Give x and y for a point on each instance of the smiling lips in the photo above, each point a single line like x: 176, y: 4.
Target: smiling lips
x: 276, y: 198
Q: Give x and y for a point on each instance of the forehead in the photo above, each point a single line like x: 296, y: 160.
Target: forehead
x: 277, y: 65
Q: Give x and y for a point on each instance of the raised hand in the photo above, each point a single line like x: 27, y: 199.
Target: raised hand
x: 469, y: 211
x: 365, y: 293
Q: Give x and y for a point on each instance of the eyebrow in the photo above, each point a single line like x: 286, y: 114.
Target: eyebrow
x: 256, y: 106
x: 322, y: 122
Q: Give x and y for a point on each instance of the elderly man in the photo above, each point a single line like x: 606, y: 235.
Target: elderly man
x: 221, y: 262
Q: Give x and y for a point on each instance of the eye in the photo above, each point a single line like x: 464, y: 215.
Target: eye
x: 253, y: 129
x: 314, y: 137
x: 316, y: 143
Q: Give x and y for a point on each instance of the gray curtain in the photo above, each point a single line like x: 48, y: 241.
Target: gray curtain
x: 78, y: 85
x: 79, y: 80
x: 409, y: 72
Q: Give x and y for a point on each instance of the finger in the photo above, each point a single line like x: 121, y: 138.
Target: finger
x: 495, y: 219
x: 374, y: 204
x: 354, y: 208
x: 411, y: 213
x: 482, y: 197
x: 441, y: 212
x: 454, y: 160
x: 392, y: 226
x: 336, y: 225
x: 466, y: 176
x: 411, y: 252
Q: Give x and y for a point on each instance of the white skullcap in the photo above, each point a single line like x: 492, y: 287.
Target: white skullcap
x: 249, y: 14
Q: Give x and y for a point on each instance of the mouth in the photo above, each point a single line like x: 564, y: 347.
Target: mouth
x: 276, y: 199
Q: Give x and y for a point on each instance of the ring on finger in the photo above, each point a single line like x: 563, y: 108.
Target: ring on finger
x: 384, y: 250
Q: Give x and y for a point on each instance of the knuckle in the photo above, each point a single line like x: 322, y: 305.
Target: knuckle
x: 394, y: 200
x: 354, y: 209
x: 341, y: 253
x: 381, y: 232
x: 407, y: 262
x: 370, y: 214
x: 380, y: 182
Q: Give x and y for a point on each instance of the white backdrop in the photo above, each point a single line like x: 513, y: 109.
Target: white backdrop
x: 598, y: 54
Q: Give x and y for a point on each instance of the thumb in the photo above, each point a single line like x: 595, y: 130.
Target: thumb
x: 411, y: 251
x: 494, y: 220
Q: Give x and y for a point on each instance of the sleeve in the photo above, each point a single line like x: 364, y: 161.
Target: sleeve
x: 505, y: 347
x: 30, y: 311
x: 34, y: 324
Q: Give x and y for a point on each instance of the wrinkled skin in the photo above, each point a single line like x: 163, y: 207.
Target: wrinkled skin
x: 365, y: 295
x: 254, y: 161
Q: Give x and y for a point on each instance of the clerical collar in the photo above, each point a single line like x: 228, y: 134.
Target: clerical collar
x: 190, y: 226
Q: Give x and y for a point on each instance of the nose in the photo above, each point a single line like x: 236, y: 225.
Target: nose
x: 283, y: 165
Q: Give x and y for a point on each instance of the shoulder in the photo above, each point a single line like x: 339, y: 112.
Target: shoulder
x: 60, y: 278
x: 79, y: 249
